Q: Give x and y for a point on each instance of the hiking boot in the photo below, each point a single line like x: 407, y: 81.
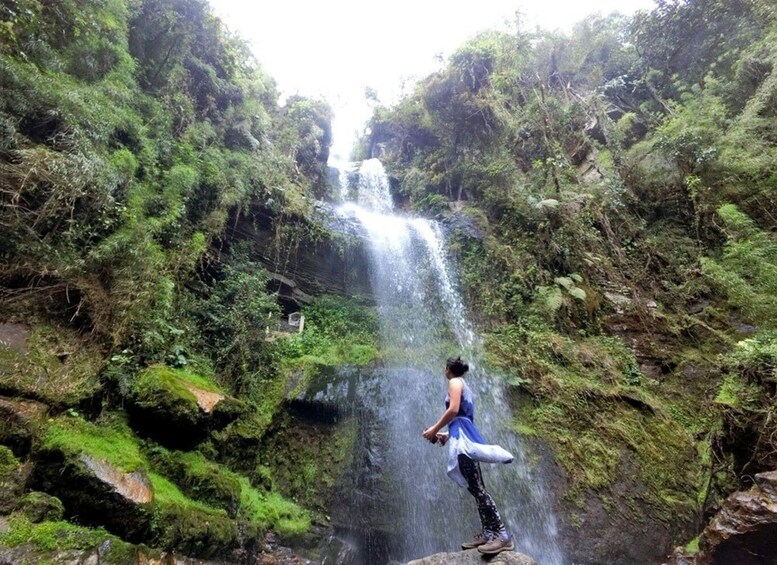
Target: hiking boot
x: 496, y: 545
x: 476, y: 541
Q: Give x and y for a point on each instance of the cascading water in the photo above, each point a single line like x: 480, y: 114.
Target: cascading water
x: 423, y: 322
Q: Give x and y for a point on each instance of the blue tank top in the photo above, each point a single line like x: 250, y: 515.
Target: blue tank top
x: 466, y: 405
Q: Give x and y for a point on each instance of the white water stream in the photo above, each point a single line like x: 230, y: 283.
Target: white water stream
x: 423, y: 321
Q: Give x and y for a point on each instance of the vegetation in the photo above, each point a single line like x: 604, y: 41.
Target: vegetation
x: 622, y: 176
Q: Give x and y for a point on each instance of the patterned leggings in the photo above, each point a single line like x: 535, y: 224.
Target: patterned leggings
x: 489, y: 515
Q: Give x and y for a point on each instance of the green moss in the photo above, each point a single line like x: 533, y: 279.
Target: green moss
x: 198, y: 477
x: 8, y: 464
x: 39, y: 507
x: 162, y: 379
x: 54, y: 536
x: 692, y: 546
x: 114, y: 443
x: 207, y: 485
x: 306, y: 462
x: 271, y: 510
x: 590, y: 403
x: 167, y: 496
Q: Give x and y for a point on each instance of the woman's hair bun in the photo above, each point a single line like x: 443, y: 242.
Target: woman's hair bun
x: 457, y: 366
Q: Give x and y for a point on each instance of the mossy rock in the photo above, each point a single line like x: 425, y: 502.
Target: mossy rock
x: 53, y: 364
x: 237, y: 444
x: 40, y: 507
x: 12, y: 479
x: 178, y: 408
x: 199, y: 478
x: 20, y: 422
x: 199, y: 532
x: 53, y: 541
x: 98, y: 473
x: 104, y: 477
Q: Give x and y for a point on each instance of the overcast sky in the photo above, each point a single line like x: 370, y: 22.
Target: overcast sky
x: 334, y: 49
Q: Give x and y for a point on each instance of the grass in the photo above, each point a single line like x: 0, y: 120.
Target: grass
x: 58, y: 367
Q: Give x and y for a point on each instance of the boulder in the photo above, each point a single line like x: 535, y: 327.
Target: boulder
x: 745, y: 528
x: 96, y: 491
x: 474, y: 557
x: 109, y: 551
x: 176, y: 408
x: 39, y: 507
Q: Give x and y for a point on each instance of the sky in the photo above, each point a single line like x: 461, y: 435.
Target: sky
x: 335, y: 49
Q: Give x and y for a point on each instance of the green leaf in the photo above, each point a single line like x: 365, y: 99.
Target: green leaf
x: 553, y: 299
x: 578, y: 293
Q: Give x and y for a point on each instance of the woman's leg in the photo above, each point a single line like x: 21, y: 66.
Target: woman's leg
x: 489, y: 515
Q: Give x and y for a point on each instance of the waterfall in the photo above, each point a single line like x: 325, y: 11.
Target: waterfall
x: 423, y: 322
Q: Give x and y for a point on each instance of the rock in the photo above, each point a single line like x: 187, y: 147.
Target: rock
x: 14, y: 336
x: 39, y: 506
x: 96, y: 491
x: 174, y: 407
x: 474, y: 557
x: 337, y: 264
x: 12, y: 480
x: 742, y: 327
x: 620, y: 301
x: 698, y: 306
x: 745, y: 528
x: 465, y: 225
x: 19, y: 422
x: 28, y: 554
x: 548, y: 204
x: 134, y: 486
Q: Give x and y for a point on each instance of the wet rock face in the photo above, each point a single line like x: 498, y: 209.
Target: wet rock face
x: 745, y: 529
x: 329, y: 265
x: 474, y: 557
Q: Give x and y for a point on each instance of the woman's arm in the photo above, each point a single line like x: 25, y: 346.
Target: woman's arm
x: 455, y: 386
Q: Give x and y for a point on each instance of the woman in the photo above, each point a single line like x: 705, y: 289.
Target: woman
x: 466, y: 450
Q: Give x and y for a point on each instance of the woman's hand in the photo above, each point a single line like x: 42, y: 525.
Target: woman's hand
x: 430, y: 433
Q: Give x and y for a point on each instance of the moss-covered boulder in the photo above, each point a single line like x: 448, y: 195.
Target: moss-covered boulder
x: 178, y: 408
x: 40, y: 507
x: 20, y: 421
x: 98, y: 473
x: 175, y: 501
x: 23, y: 542
x: 199, y: 478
